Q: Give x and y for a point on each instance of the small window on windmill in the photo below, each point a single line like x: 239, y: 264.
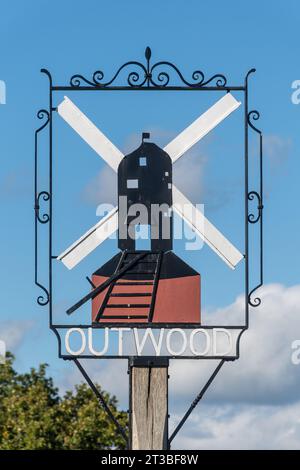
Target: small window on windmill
x: 143, y: 161
x: 132, y: 184
x: 166, y: 173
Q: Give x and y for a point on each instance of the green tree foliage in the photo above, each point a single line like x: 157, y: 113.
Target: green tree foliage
x: 34, y: 416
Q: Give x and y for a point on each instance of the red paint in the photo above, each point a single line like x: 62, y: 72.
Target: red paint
x: 177, y: 301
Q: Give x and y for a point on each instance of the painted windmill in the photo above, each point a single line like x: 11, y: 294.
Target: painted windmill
x: 151, y: 285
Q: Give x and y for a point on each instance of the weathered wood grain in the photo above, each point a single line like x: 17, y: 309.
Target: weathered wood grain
x: 149, y: 408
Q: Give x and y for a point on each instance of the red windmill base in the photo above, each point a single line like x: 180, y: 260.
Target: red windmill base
x: 159, y: 287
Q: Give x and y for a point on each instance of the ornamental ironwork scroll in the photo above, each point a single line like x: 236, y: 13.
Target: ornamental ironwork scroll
x: 146, y: 75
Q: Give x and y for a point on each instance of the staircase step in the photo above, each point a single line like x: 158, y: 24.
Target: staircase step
x: 134, y: 283
x: 140, y: 272
x: 148, y: 256
x: 143, y: 261
x: 135, y: 294
x: 127, y: 306
x: 123, y: 317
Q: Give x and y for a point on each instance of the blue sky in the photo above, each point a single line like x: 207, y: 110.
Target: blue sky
x: 71, y: 37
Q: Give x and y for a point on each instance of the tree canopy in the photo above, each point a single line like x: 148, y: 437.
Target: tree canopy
x: 34, y: 416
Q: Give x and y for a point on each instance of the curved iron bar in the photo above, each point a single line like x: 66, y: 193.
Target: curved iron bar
x: 45, y: 217
x: 41, y: 114
x: 198, y: 76
x: 254, y: 114
x: 143, y: 76
x: 251, y: 217
x: 243, y: 329
x: 41, y: 299
x: 132, y: 79
x: 257, y: 300
x: 258, y: 195
x: 253, y: 70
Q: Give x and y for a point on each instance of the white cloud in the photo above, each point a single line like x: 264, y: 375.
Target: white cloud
x: 188, y: 174
x: 13, y: 333
x: 277, y: 149
x: 247, y: 427
x: 102, y: 188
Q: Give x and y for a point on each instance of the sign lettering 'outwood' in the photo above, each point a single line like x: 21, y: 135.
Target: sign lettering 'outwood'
x: 169, y: 342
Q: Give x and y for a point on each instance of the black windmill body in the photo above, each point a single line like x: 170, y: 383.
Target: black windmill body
x: 145, y: 178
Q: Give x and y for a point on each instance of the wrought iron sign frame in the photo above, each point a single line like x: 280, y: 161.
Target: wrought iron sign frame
x: 147, y: 77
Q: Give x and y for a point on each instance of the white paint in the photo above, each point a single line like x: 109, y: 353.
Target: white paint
x: 90, y: 133
x: 83, y: 341
x: 148, y: 334
x: 201, y: 126
x: 216, y: 333
x: 120, y: 340
x: 206, y: 230
x: 90, y: 343
x: 90, y: 240
x: 192, y: 342
x: 172, y: 351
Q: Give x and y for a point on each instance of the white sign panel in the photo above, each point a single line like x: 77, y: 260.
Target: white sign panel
x: 166, y: 342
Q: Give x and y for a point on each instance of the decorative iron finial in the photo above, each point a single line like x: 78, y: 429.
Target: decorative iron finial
x: 148, y: 53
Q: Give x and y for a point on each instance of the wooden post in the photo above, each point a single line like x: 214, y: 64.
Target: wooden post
x: 149, y: 403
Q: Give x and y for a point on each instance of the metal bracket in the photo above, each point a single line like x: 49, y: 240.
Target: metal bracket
x: 149, y: 361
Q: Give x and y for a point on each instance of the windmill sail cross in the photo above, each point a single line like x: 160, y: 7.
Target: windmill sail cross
x: 202, y: 126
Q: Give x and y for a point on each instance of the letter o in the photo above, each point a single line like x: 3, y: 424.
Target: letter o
x: 169, y: 334
x: 194, y: 351
x: 83, y: 341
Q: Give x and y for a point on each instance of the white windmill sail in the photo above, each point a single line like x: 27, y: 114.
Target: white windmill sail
x: 90, y: 240
x: 205, y: 229
x: 90, y: 133
x: 201, y: 126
